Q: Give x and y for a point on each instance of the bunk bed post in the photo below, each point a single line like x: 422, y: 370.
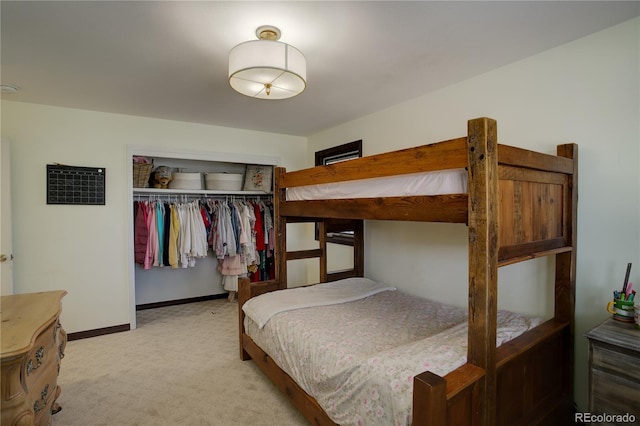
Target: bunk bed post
x: 566, y: 262
x: 565, y: 284
x: 429, y: 399
x: 322, y: 238
x: 244, y: 294
x: 483, y: 257
x: 280, y: 229
x: 358, y: 248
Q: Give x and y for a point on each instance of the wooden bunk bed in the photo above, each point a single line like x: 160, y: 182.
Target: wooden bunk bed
x: 519, y: 205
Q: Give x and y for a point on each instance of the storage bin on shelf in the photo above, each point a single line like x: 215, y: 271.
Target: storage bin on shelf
x: 224, y: 181
x: 141, y: 174
x: 186, y: 180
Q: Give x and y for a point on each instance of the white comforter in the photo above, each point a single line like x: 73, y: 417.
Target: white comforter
x: 358, y: 359
x: 261, y: 309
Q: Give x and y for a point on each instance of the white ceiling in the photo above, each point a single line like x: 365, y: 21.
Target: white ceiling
x: 168, y: 59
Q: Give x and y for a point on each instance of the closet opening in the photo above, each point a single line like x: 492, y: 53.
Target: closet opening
x: 198, y: 222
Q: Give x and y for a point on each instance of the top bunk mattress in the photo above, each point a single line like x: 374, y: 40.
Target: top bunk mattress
x: 452, y: 181
x: 357, y: 357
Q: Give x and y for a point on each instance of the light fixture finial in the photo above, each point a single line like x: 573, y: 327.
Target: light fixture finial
x: 268, y: 32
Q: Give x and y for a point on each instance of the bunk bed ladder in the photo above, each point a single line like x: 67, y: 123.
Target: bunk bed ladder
x: 356, y: 227
x: 325, y: 226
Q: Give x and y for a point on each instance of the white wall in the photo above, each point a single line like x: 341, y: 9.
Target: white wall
x: 586, y: 92
x: 85, y: 249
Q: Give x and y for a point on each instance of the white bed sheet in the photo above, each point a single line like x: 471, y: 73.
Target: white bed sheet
x: 453, y: 181
x: 358, y: 359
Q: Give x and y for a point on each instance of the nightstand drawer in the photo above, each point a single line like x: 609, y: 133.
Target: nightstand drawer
x: 612, y: 394
x: 616, y: 360
x: 41, y: 357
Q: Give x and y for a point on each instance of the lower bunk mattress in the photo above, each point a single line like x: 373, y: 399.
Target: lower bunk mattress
x: 355, y: 345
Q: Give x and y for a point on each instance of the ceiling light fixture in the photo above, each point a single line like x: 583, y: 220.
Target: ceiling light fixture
x: 267, y: 68
x: 8, y: 88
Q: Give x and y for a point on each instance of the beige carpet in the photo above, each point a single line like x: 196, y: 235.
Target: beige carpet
x: 179, y: 367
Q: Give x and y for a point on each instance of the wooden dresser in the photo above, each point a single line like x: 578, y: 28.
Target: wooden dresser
x: 33, y: 344
x: 614, y: 369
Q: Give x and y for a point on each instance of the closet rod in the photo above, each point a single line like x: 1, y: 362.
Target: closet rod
x: 192, y: 197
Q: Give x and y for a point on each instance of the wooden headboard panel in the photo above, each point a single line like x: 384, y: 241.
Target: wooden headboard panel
x: 534, y: 208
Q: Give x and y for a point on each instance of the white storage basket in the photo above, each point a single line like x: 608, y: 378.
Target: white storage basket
x: 183, y: 180
x: 224, y: 181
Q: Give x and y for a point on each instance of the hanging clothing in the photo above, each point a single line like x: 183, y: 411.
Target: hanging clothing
x: 167, y: 228
x: 159, y: 217
x: 239, y: 233
x: 171, y: 234
x: 174, y: 231
x: 259, y: 227
x: 141, y: 233
x: 152, y: 241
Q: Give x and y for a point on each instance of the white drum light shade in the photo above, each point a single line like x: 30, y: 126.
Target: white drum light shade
x: 267, y: 69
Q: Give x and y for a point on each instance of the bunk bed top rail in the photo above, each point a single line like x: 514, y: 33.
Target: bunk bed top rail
x: 450, y: 154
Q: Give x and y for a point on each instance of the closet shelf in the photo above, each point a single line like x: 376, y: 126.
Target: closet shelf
x: 158, y: 191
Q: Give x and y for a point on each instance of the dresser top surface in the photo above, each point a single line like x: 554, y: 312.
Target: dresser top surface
x: 23, y: 316
x: 616, y: 333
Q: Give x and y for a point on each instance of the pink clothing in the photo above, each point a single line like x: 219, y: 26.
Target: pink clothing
x: 230, y: 265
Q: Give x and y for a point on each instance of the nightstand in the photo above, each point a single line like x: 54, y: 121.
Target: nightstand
x: 614, y: 368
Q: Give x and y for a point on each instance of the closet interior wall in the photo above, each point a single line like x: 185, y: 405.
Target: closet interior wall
x: 166, y: 284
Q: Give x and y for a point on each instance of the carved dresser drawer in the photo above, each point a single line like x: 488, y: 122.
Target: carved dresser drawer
x: 33, y: 344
